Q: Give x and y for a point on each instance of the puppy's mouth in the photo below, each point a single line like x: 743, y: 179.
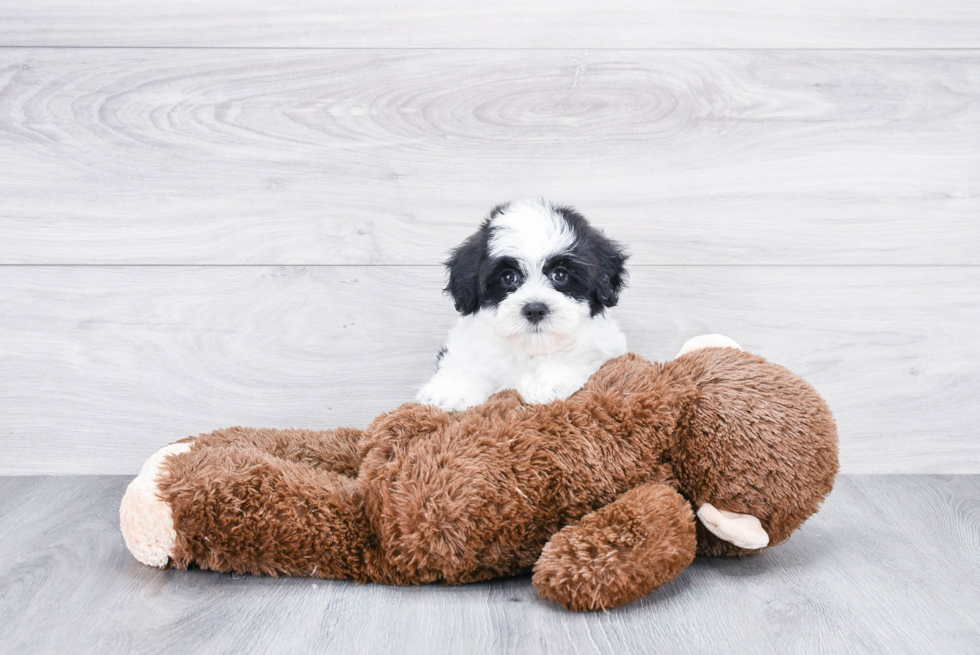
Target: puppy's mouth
x: 542, y: 338
x: 536, y: 328
x: 539, y: 328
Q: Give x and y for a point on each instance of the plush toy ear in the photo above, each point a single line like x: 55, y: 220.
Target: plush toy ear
x: 464, y: 270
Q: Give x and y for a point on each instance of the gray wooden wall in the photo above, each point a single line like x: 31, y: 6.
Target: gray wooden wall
x: 218, y: 213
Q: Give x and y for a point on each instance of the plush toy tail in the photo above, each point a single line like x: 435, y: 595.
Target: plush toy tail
x: 621, y: 552
x: 236, y: 506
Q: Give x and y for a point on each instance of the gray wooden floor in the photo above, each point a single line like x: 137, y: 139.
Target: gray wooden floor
x: 891, y: 564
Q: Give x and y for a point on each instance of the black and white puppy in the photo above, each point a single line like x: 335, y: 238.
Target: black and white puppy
x: 531, y: 285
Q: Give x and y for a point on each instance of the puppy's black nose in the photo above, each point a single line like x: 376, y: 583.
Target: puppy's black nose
x: 535, y: 311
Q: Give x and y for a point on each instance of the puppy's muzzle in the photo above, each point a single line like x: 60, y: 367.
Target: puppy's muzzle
x: 535, y: 312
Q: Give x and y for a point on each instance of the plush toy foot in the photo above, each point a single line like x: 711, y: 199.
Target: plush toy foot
x: 707, y: 341
x: 743, y: 530
x: 147, y: 522
x: 620, y: 552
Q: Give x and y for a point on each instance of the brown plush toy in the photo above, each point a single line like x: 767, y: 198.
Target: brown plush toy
x: 597, y: 493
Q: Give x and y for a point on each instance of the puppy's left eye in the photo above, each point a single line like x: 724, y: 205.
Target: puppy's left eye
x: 511, y: 279
x: 559, y: 276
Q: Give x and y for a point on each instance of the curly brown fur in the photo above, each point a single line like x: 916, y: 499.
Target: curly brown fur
x: 596, y: 489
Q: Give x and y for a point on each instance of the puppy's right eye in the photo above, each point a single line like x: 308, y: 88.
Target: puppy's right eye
x: 511, y: 279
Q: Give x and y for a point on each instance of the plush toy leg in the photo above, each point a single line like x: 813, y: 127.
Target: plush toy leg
x: 621, y: 552
x: 146, y: 520
x: 707, y: 341
x: 240, y: 509
x: 333, y: 450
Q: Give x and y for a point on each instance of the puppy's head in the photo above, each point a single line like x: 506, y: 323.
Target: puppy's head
x: 540, y: 270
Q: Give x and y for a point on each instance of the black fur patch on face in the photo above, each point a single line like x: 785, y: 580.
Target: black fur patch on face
x: 596, y: 264
x: 576, y: 277
x: 503, y: 276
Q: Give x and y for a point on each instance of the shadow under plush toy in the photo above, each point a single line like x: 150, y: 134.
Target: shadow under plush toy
x: 595, y: 493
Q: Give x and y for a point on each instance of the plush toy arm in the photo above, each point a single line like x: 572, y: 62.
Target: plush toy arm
x: 742, y: 530
x: 620, y: 552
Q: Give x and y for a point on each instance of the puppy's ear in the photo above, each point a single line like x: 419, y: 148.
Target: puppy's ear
x: 464, y: 271
x: 605, y: 258
x: 611, y: 274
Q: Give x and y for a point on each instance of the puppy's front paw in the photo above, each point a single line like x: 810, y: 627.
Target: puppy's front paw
x: 537, y: 392
x: 451, y: 396
x: 553, y: 383
x: 544, y: 390
x: 146, y: 521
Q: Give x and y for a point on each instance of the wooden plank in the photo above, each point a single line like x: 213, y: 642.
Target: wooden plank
x: 890, y: 564
x: 392, y: 157
x: 103, y: 365
x: 505, y: 24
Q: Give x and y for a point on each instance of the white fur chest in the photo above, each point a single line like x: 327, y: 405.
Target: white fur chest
x: 478, y: 362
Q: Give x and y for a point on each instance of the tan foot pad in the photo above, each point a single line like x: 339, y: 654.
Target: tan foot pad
x: 708, y: 341
x: 147, y: 522
x: 743, y: 530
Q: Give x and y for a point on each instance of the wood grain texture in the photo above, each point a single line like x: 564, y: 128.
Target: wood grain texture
x: 392, y: 156
x: 103, y: 365
x: 503, y: 24
x: 890, y: 564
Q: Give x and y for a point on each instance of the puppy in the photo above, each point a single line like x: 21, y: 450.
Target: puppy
x: 532, y: 286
